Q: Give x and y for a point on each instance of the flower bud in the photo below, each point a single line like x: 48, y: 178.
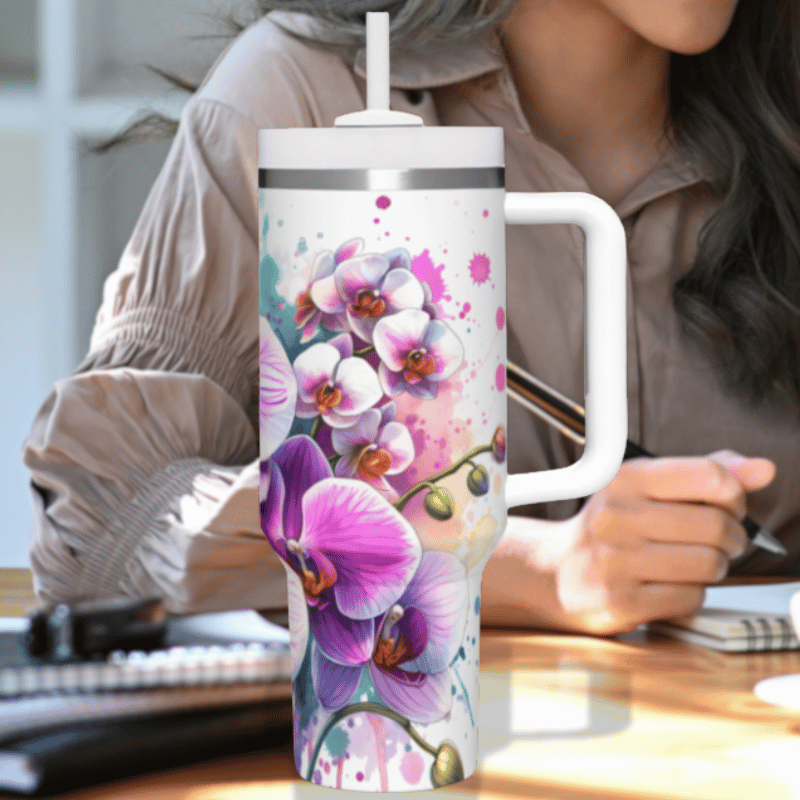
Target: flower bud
x: 499, y: 444
x: 447, y: 767
x: 478, y: 480
x: 439, y: 504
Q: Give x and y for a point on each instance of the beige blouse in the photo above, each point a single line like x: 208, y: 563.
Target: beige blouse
x: 144, y: 461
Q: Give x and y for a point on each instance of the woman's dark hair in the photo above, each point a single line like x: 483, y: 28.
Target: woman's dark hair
x: 735, y: 110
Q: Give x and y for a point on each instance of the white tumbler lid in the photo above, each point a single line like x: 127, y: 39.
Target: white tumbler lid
x: 377, y: 137
x: 411, y: 147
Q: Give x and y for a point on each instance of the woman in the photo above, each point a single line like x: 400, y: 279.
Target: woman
x: 686, y: 120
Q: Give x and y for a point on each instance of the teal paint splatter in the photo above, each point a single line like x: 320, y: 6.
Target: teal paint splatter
x: 338, y: 742
x: 281, y: 320
x: 466, y: 696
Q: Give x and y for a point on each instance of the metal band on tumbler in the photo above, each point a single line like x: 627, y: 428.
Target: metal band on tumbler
x: 383, y: 180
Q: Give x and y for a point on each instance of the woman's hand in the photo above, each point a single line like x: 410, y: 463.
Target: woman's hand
x: 642, y: 548
x: 645, y: 546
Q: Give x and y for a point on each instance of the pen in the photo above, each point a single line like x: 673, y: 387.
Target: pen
x: 568, y: 417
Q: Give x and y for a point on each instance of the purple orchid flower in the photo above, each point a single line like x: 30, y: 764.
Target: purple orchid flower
x: 312, y: 306
x: 416, y: 639
x: 376, y: 285
x: 375, y: 446
x: 352, y: 550
x: 333, y: 383
x: 416, y: 353
x: 277, y: 390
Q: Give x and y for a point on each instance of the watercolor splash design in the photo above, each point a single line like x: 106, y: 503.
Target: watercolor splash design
x: 362, y: 387
x: 479, y: 268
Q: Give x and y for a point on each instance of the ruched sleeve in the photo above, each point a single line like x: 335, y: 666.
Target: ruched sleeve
x: 144, y: 462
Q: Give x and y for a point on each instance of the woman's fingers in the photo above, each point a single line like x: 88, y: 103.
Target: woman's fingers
x: 606, y: 612
x: 680, y: 479
x: 662, y: 600
x: 721, y: 479
x: 752, y: 473
x: 630, y: 523
x: 655, y: 562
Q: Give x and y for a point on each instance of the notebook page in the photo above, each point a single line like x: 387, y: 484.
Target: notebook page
x: 769, y: 598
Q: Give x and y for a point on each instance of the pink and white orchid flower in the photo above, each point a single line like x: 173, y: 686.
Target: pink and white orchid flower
x: 334, y: 384
x: 375, y: 285
x: 416, y: 353
x: 316, y: 304
x: 375, y: 446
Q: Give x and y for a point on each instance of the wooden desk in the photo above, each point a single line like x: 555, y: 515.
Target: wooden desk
x: 573, y: 718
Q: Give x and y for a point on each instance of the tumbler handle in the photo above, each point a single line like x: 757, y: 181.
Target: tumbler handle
x: 605, y: 346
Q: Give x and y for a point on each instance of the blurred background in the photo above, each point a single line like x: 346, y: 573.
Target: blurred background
x: 72, y: 74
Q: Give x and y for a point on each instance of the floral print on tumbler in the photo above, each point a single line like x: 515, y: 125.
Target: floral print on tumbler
x: 383, y: 442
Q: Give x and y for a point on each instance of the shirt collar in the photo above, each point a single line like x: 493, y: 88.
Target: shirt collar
x: 674, y: 171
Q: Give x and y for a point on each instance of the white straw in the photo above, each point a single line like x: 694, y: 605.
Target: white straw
x: 378, y: 60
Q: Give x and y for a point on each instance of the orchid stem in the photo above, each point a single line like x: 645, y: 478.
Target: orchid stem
x: 370, y: 348
x: 403, y: 500
x: 315, y: 426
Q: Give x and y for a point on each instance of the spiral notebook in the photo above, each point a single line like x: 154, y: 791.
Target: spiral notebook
x: 211, y: 661
x: 221, y: 684
x: 738, y: 619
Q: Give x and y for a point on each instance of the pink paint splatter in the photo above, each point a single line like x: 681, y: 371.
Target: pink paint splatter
x: 500, y: 318
x: 411, y: 768
x: 364, y: 746
x: 339, y: 770
x: 464, y: 311
x: 485, y: 212
x: 376, y: 220
x: 383, y: 202
x: 428, y: 433
x: 422, y: 266
x: 500, y: 378
x: 479, y: 266
x: 376, y: 723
